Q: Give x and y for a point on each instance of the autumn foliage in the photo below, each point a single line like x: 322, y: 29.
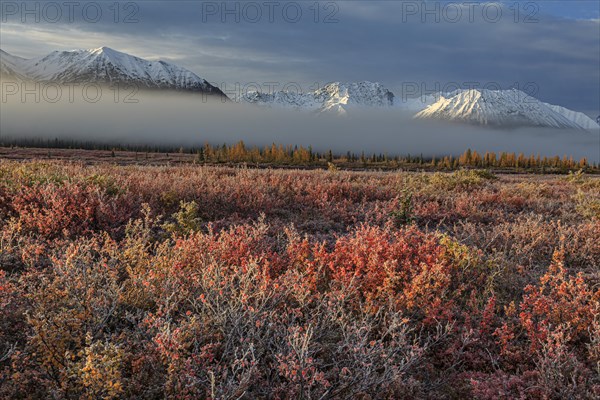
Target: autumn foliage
x: 231, y: 283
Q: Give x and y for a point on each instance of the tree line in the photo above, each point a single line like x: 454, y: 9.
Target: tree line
x: 300, y: 155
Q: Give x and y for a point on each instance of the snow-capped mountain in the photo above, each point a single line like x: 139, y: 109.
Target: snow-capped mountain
x: 335, y: 98
x: 579, y: 118
x: 499, y: 108
x: 283, y: 99
x: 106, y: 66
x: 10, y: 66
x: 496, y: 108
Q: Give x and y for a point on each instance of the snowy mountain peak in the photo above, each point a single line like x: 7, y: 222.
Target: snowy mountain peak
x: 334, y: 97
x: 111, y: 54
x: 497, y: 108
x: 104, y: 65
x: 361, y: 94
x: 103, y: 49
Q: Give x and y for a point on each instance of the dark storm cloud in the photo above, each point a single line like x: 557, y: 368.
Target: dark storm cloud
x: 377, y: 41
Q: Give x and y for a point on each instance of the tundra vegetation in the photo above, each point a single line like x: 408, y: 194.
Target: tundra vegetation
x: 152, y: 282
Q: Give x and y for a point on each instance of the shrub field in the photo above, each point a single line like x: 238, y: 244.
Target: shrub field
x: 203, y: 282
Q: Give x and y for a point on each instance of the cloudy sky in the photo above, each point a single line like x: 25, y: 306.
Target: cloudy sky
x: 549, y: 48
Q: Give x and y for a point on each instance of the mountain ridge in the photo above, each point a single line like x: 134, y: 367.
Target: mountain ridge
x: 335, y: 97
x: 104, y: 65
x: 496, y: 108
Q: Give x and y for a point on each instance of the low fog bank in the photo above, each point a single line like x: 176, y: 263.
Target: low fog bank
x: 191, y: 120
